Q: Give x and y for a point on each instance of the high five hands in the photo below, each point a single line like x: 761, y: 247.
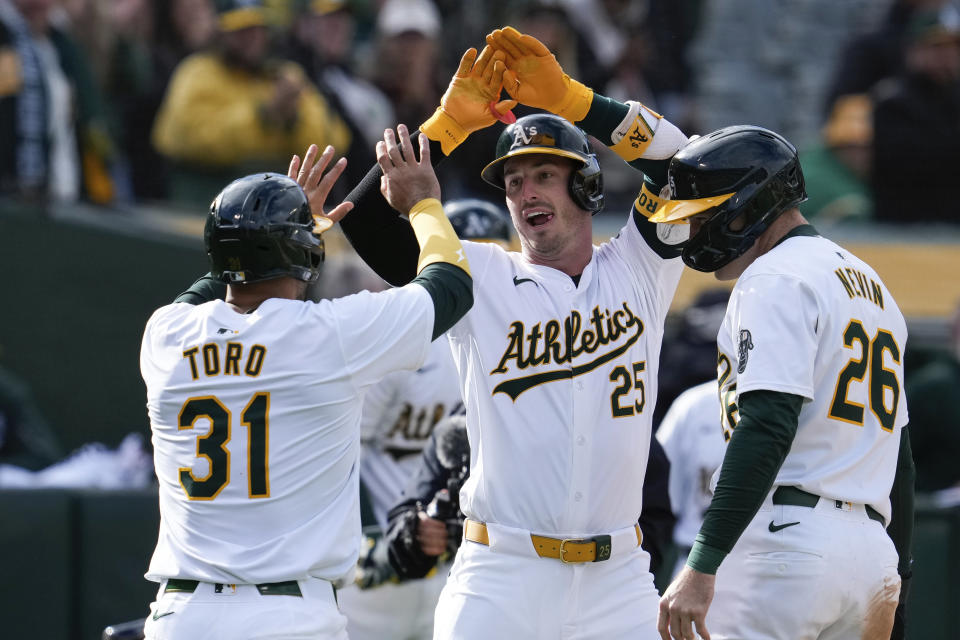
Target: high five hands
x: 317, y: 185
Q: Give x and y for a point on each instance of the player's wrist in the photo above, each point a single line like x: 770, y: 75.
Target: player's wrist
x: 443, y: 128
x: 704, y: 558
x: 576, y: 102
x: 436, y: 236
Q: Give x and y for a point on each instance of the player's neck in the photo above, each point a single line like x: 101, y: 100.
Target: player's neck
x: 571, y: 261
x: 245, y: 298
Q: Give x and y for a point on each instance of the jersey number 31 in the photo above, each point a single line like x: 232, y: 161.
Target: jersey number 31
x: 212, y: 446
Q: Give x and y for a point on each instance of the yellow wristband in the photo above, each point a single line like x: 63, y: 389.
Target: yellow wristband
x: 647, y: 202
x: 636, y: 137
x: 438, y: 241
x: 440, y: 127
x: 576, y: 103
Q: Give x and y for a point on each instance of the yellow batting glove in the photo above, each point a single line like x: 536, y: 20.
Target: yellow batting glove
x: 472, y: 100
x: 535, y: 78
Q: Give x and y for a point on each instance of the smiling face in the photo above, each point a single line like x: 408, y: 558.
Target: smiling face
x: 553, y: 230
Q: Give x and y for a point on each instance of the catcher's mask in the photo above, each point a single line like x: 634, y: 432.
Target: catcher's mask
x: 260, y: 227
x: 551, y: 135
x: 742, y: 173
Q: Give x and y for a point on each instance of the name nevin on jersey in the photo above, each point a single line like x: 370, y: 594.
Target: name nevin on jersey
x: 859, y: 285
x: 560, y: 342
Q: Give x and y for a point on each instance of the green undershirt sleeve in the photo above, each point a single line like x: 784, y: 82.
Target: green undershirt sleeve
x: 755, y: 453
x: 205, y: 289
x: 451, y: 290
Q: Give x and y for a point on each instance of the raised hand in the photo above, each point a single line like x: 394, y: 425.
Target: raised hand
x: 317, y: 185
x: 535, y: 78
x: 472, y: 100
x: 405, y: 181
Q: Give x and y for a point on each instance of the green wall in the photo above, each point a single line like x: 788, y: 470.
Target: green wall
x: 77, y: 291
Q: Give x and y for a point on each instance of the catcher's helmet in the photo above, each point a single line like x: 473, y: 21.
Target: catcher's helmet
x: 740, y: 171
x: 260, y: 227
x: 475, y: 219
x: 552, y: 135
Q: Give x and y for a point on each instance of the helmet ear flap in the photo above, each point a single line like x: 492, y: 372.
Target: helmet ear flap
x: 586, y: 185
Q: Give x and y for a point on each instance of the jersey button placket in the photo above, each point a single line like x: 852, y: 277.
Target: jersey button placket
x: 580, y: 453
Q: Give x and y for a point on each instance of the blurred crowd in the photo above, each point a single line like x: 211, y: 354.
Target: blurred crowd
x: 120, y: 102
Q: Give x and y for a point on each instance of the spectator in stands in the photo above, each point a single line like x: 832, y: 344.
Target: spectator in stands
x: 54, y: 141
x: 236, y: 109
x: 876, y: 54
x: 917, y: 120
x: 149, y: 39
x: 407, y: 58
x: 837, y: 171
x: 323, y: 43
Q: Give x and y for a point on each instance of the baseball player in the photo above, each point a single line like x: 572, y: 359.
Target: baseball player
x: 557, y: 360
x: 695, y: 447
x: 254, y: 403
x: 399, y: 415
x: 810, y: 370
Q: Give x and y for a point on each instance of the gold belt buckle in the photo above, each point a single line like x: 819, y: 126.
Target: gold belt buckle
x: 571, y: 540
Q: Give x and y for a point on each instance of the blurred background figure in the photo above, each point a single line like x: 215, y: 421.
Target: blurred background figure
x: 324, y: 42
x: 149, y: 39
x: 837, y: 170
x: 55, y: 145
x: 689, y: 353
x: 917, y: 120
x: 692, y: 437
x: 236, y: 109
x: 876, y: 54
x: 935, y: 416
x: 406, y: 59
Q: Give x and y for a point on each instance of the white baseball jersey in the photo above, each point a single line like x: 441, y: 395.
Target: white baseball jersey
x: 559, y: 381
x: 695, y: 447
x: 256, y: 429
x: 811, y: 319
x: 399, y: 414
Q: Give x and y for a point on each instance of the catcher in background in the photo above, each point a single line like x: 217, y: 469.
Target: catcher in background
x: 425, y: 529
x: 817, y: 469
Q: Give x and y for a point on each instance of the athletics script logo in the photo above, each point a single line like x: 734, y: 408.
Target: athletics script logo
x: 559, y: 343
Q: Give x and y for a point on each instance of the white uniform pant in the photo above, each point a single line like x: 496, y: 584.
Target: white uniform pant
x: 507, y: 591
x: 243, y: 613
x: 393, y: 611
x: 832, y: 576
